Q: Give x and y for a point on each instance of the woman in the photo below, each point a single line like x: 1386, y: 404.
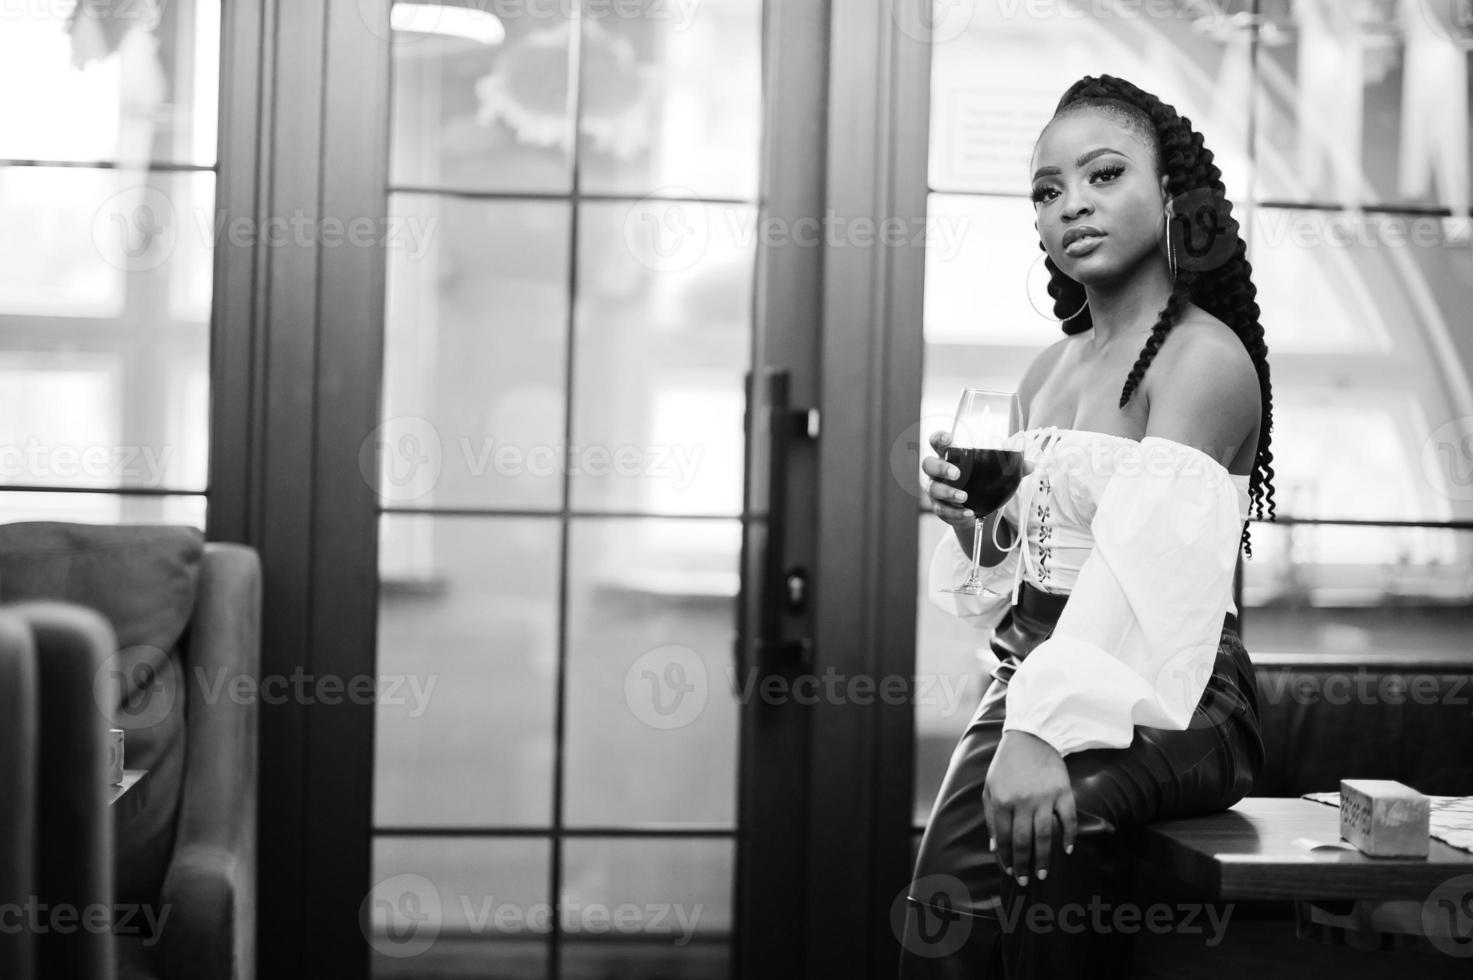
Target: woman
x: 1123, y: 693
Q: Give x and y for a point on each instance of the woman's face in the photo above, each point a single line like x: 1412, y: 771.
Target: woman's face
x: 1097, y: 197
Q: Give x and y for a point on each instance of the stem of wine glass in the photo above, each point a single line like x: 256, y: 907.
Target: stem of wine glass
x: 975, y: 577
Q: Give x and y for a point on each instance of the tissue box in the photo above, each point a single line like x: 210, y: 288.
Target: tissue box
x: 1384, y: 818
x: 115, y: 756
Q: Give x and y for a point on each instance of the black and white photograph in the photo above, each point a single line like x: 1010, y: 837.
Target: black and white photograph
x: 736, y: 489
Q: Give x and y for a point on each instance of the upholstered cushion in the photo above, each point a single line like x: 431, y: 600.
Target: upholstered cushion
x: 144, y: 579
x: 1329, y: 722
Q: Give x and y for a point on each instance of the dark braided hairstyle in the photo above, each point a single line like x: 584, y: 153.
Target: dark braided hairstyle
x: 1212, y: 269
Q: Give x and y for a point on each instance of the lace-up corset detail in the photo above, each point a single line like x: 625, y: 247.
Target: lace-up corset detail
x: 1055, y: 505
x: 1044, y: 530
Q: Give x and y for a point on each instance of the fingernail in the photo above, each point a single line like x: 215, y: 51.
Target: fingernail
x: 953, y: 473
x: 961, y: 496
x: 1022, y: 879
x: 992, y: 843
x: 1068, y: 848
x: 1007, y: 870
x: 1042, y: 873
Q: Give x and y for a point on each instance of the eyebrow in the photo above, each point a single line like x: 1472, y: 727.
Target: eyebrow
x: 1053, y: 171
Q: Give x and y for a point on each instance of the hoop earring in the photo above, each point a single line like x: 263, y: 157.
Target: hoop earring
x: 1029, y: 293
x: 1170, y: 245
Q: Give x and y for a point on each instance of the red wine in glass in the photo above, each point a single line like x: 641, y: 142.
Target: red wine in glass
x: 989, y: 466
x: 988, y: 476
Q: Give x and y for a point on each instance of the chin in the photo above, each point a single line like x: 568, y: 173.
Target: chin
x: 1092, y: 270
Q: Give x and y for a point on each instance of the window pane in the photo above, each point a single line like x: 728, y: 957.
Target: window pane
x: 85, y: 240
x: 985, y: 274
x: 1310, y: 268
x: 101, y: 508
x: 70, y: 419
x: 467, y: 655
x: 999, y: 69
x: 672, y: 98
x: 79, y: 236
x: 952, y: 659
x: 1364, y: 322
x: 480, y: 98
x: 1364, y: 103
x: 476, y: 348
x: 663, y: 344
x: 1397, y: 593
x: 1362, y: 454
x: 652, y: 715
x: 1331, y: 281
x: 457, y: 908
x: 127, y: 81
x: 647, y: 908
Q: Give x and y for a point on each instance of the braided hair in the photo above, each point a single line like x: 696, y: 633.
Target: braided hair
x: 1216, y: 276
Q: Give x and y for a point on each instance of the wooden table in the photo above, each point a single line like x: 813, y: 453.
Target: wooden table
x: 1261, y: 849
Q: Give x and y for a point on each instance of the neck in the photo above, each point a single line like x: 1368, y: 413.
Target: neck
x: 1128, y: 307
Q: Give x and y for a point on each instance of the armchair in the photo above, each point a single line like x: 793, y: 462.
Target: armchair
x: 186, y: 621
x: 56, y: 873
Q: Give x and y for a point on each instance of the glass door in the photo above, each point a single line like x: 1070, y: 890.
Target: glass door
x: 511, y: 437
x: 561, y: 466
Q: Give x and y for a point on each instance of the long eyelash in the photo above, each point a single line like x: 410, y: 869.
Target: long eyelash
x: 1110, y: 170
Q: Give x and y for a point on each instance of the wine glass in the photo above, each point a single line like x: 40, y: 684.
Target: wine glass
x: 989, y: 465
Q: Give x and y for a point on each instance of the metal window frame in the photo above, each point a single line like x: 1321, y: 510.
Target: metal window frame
x: 295, y: 380
x: 862, y: 756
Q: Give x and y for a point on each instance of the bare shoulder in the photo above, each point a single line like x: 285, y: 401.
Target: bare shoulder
x: 1203, y: 388
x: 1200, y: 348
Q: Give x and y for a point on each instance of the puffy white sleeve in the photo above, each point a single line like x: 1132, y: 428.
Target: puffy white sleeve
x: 1138, y: 637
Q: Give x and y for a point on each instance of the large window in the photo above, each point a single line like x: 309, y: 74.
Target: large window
x: 107, y: 157
x: 1343, y: 133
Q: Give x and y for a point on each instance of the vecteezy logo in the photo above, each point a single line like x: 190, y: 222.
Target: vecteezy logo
x: 936, y: 923
x: 1447, y: 917
x: 136, y: 229
x: 1453, y: 19
x: 932, y: 21
x: 1447, y: 459
x: 136, y: 687
x: 402, y: 459
x: 1184, y: 680
x: 667, y: 687
x: 1204, y: 235
x: 401, y: 915
x: 907, y: 452
x: 668, y: 233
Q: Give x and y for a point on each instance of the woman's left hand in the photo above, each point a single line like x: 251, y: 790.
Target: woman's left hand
x: 1027, y: 784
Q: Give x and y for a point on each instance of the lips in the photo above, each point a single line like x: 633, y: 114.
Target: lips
x: 1082, y: 240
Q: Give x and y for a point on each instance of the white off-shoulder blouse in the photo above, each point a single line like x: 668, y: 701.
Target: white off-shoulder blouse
x: 1143, y: 538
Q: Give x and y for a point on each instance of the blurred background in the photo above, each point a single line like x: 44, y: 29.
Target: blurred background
x: 572, y: 259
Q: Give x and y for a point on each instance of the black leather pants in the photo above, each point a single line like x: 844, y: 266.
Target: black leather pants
x: 966, y: 919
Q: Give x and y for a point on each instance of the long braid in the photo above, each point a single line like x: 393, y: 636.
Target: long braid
x: 1170, y: 313
x: 1220, y: 284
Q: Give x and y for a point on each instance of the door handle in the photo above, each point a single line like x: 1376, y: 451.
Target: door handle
x: 784, y: 587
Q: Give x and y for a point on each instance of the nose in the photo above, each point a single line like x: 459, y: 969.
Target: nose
x: 1075, y: 203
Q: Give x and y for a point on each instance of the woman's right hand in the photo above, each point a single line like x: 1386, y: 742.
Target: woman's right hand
x: 947, y: 502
